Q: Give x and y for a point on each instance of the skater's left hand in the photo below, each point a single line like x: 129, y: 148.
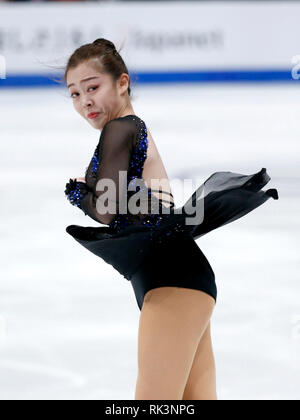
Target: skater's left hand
x: 79, y: 179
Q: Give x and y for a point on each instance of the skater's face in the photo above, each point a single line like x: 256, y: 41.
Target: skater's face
x: 101, y: 94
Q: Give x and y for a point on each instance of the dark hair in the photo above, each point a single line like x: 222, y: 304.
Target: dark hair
x: 109, y: 60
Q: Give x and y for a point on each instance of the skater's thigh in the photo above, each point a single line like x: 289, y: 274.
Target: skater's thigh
x: 172, y: 322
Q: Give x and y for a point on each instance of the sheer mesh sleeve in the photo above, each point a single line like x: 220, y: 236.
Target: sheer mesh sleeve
x: 106, y: 187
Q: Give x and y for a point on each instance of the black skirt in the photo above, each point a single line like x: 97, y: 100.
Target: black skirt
x: 168, y: 255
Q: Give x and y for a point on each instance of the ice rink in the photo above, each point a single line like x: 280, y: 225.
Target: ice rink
x: 69, y: 321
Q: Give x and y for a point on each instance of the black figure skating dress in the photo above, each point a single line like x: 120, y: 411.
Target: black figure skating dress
x: 155, y: 246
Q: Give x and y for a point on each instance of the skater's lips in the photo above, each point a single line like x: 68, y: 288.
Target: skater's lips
x: 93, y: 114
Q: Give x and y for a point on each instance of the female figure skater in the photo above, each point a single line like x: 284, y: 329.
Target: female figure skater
x: 153, y: 248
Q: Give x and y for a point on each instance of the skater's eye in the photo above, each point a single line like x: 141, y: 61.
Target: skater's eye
x: 75, y: 93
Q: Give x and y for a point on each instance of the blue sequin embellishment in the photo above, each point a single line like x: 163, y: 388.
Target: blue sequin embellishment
x: 76, y: 195
x: 95, y: 165
x: 135, y: 171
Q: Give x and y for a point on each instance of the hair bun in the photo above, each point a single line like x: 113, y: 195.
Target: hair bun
x: 105, y: 42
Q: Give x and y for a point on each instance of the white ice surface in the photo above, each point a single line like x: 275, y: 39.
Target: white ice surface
x: 69, y: 321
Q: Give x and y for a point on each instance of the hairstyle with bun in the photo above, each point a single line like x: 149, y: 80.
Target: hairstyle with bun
x: 109, y: 60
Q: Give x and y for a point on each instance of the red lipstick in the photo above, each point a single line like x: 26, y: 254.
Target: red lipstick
x: 93, y: 115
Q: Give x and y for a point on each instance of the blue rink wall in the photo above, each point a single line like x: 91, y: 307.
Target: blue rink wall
x: 231, y: 76
x: 179, y: 42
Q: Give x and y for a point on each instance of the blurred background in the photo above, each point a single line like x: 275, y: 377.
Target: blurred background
x: 217, y: 83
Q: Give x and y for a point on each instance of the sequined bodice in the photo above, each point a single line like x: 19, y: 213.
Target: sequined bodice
x: 135, y: 171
